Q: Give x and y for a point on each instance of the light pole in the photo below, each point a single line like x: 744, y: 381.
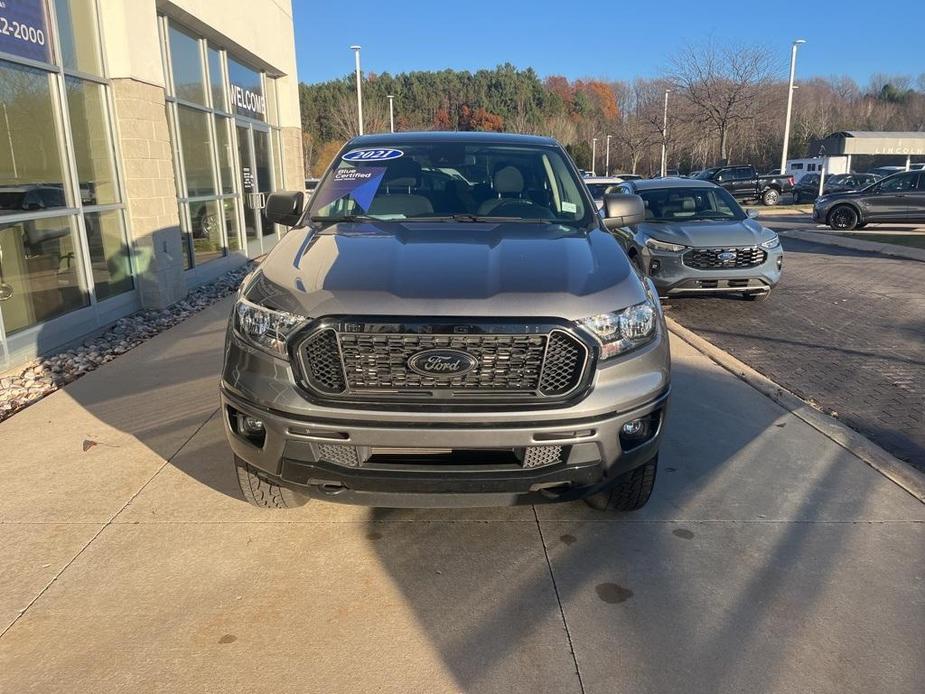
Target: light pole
x: 391, y: 97
x: 356, y: 53
x: 607, y: 158
x: 593, y: 155
x: 793, y: 70
x: 665, y: 136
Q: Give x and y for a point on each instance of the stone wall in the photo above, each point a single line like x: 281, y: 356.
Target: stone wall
x: 150, y: 189
x: 293, y: 168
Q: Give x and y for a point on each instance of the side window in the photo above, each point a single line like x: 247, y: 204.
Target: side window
x: 743, y: 173
x: 723, y: 176
x: 898, y: 184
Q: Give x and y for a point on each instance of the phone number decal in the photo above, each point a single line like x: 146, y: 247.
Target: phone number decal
x: 24, y: 29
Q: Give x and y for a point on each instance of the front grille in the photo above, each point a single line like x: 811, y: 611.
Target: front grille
x: 540, y: 456
x: 374, y: 365
x: 709, y: 258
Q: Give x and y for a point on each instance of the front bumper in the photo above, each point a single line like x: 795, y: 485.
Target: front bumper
x: 296, y: 453
x: 672, y: 277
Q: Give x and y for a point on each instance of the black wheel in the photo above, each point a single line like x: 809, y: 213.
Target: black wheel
x: 756, y: 296
x: 843, y: 218
x: 770, y: 197
x: 629, y: 492
x: 261, y: 492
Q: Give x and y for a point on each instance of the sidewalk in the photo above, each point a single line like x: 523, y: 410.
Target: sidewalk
x: 769, y: 559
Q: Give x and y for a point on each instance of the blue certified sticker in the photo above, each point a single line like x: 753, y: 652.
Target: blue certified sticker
x: 372, y: 154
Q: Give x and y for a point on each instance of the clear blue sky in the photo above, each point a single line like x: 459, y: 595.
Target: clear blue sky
x: 617, y: 40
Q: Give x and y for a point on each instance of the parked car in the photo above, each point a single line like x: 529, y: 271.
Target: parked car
x: 745, y: 184
x: 483, y: 343
x: 628, y: 176
x: 807, y: 188
x: 849, y: 181
x: 696, y: 239
x: 898, y: 198
x: 883, y: 171
x: 599, y: 185
x: 311, y: 184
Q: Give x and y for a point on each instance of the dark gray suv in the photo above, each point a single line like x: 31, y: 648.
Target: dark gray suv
x: 451, y: 322
x: 899, y: 198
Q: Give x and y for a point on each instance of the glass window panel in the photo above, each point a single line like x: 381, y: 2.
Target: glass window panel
x: 225, y: 153
x: 109, y: 262
x: 187, y: 243
x: 186, y: 61
x: 246, y: 91
x: 217, y: 80
x: 79, y: 35
x: 206, y: 230
x: 87, y: 108
x: 196, y: 149
x: 38, y: 269
x: 232, y: 227
x: 31, y: 174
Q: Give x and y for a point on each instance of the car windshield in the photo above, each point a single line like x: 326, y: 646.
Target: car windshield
x: 689, y: 204
x: 452, y: 181
x: 598, y: 189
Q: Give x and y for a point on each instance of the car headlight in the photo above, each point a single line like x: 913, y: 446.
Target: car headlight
x: 622, y: 331
x: 771, y: 243
x: 821, y: 200
x: 657, y: 245
x: 265, y: 328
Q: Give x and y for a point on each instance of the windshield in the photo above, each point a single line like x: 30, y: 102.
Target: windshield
x: 689, y: 204
x: 452, y: 181
x: 598, y: 189
x: 705, y: 174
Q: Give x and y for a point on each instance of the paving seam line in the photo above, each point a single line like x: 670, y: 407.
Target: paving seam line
x: 826, y: 238
x: 105, y: 525
x: 894, y: 469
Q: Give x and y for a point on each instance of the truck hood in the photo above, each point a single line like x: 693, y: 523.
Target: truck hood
x: 461, y: 269
x: 746, y: 232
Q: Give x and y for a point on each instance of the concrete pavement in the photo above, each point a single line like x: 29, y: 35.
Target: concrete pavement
x: 769, y: 559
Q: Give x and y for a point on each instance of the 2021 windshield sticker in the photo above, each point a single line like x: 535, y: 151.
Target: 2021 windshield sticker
x: 372, y: 154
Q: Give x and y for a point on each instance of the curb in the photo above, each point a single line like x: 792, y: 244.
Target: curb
x: 825, y: 238
x: 898, y: 472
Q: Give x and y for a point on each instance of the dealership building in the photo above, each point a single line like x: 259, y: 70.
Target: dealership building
x: 138, y: 141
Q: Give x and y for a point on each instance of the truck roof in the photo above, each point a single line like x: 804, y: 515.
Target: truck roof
x: 671, y: 182
x: 436, y: 136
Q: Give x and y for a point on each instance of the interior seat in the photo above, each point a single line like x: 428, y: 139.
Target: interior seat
x: 509, y: 187
x: 395, y: 196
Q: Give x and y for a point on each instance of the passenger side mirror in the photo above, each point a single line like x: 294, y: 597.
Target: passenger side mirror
x: 623, y: 210
x: 285, y: 207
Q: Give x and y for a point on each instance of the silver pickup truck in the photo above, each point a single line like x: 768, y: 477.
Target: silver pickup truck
x: 450, y: 322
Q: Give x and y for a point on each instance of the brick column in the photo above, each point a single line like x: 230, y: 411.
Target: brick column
x: 151, y: 194
x: 293, y: 165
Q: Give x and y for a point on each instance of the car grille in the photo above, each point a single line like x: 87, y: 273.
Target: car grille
x: 709, y: 258
x: 374, y: 365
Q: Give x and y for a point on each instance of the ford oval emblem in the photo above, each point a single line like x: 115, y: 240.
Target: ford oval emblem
x: 372, y: 154
x: 442, y: 362
x: 727, y: 256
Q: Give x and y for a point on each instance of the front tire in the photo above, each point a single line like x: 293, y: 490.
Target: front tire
x: 629, y: 492
x: 843, y: 218
x: 263, y: 493
x: 770, y: 197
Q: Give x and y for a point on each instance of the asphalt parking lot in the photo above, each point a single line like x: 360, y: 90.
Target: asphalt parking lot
x: 769, y: 559
x: 845, y: 329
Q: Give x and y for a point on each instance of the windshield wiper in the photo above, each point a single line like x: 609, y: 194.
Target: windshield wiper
x: 478, y: 219
x: 344, y: 218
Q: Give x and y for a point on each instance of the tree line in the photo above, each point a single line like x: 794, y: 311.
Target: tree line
x: 725, y: 103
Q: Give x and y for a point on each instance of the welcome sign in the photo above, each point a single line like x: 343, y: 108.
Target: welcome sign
x: 246, y: 89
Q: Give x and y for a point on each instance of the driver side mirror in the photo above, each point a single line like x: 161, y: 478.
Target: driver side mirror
x: 285, y: 207
x: 623, y: 210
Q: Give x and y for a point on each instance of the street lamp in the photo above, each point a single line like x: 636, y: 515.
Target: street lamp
x: 593, y: 156
x: 665, y: 136
x: 356, y: 53
x: 391, y: 114
x: 793, y: 69
x: 607, y: 158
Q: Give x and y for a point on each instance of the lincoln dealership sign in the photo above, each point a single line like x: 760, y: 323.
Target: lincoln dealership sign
x: 24, y: 29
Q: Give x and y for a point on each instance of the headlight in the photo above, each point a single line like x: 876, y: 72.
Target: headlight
x: 821, y: 200
x: 265, y: 328
x: 771, y: 243
x: 656, y: 245
x: 622, y: 331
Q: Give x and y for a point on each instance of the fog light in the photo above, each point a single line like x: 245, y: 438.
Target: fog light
x: 634, y: 428
x: 780, y: 262
x: 251, y: 426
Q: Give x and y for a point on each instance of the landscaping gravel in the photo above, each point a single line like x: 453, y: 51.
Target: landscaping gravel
x: 38, y: 378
